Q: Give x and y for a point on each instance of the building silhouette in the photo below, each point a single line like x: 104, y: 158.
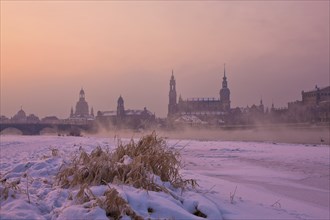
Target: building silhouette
x: 314, y: 106
x: 82, y: 110
x: 202, y: 107
x: 20, y: 116
x: 122, y: 118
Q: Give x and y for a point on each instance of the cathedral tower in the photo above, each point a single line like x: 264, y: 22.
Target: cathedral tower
x: 225, y: 93
x: 172, y: 105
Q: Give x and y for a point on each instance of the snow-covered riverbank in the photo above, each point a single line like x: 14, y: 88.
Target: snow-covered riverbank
x: 265, y: 180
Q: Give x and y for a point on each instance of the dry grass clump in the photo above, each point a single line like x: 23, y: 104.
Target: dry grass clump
x: 136, y: 164
x: 87, y: 169
x: 141, y: 165
x: 150, y: 155
x: 115, y: 206
x: 8, y: 188
x: 55, y: 152
x: 13, y: 187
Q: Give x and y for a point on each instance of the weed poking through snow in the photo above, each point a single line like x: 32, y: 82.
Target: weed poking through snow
x: 232, y: 196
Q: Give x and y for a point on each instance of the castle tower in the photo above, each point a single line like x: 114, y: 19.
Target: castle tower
x: 225, y: 92
x: 172, y: 105
x: 120, y: 108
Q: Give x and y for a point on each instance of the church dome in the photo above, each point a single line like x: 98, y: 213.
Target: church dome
x: 21, y: 114
x: 82, y: 109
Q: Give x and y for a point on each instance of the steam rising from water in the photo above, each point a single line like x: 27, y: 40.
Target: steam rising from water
x: 310, y: 135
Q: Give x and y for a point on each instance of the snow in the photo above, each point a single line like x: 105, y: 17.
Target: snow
x: 272, y: 181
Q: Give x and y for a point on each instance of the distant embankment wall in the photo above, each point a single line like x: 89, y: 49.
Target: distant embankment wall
x: 36, y: 128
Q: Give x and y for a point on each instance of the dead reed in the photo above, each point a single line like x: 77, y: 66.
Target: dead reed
x: 140, y: 164
x: 115, y: 206
x: 9, y: 188
x: 137, y: 164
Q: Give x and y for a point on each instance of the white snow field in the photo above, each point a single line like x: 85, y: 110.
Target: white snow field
x: 237, y: 180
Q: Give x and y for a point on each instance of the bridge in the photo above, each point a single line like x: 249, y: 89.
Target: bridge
x: 36, y: 128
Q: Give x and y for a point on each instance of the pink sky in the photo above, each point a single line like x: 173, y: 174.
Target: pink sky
x: 49, y: 50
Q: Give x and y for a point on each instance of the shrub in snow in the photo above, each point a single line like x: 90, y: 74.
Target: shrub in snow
x: 137, y: 164
x: 147, y: 164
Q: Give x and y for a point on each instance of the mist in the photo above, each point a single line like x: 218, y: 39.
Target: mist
x: 276, y: 134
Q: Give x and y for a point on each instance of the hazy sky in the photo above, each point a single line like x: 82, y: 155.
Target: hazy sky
x: 49, y: 50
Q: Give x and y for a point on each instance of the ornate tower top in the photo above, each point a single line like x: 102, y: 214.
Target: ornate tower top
x: 82, y: 110
x: 172, y: 81
x: 224, y: 81
x: 224, y: 70
x: 172, y: 84
x: 82, y: 94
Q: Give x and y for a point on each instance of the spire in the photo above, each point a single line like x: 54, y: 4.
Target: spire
x: 224, y: 70
x: 172, y: 96
x: 172, y: 82
x: 224, y: 81
x: 180, y: 98
x: 172, y: 77
x: 225, y: 92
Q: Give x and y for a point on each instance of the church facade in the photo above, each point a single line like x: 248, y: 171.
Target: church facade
x: 201, y: 107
